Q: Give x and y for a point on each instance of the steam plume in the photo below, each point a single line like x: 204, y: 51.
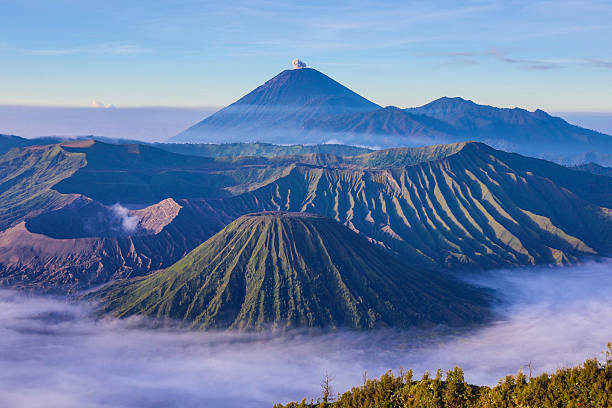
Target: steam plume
x: 297, y: 64
x: 128, y: 222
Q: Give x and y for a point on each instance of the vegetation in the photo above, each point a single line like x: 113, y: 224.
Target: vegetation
x: 586, y: 386
x: 259, y: 149
x: 26, y: 178
x: 293, y: 270
x: 464, y: 205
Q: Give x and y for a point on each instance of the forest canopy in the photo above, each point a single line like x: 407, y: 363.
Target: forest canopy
x: 588, y: 385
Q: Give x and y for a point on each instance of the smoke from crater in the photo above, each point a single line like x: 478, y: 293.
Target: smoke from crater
x: 128, y: 222
x: 297, y: 64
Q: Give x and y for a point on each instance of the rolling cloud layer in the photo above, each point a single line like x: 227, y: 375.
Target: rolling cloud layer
x: 55, y: 355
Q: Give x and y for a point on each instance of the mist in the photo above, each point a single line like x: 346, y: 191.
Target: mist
x: 148, y: 124
x: 54, y: 354
x: 128, y: 222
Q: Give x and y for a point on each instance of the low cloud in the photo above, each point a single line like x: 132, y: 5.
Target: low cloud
x: 128, y: 222
x: 97, y: 104
x: 56, y: 355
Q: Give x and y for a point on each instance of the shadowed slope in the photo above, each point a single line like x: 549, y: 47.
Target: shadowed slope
x: 293, y: 270
x: 593, y: 168
x: 465, y: 204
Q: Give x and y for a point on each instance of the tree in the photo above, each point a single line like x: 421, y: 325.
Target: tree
x: 326, y: 388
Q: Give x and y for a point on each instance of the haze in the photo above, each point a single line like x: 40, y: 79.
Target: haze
x: 157, y: 124
x: 56, y: 355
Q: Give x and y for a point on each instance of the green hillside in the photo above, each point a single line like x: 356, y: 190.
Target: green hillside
x: 464, y: 205
x: 26, y: 178
x: 293, y: 270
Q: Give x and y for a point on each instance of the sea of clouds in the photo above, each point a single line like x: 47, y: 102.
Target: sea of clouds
x: 54, y: 354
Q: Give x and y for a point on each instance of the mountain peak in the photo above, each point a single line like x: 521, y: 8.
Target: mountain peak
x: 449, y: 104
x: 296, y: 87
x: 279, y: 108
x: 293, y: 270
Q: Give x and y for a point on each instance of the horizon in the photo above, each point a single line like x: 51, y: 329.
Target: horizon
x: 160, y: 123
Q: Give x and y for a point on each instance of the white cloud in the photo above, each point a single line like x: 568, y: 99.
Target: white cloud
x: 128, y: 222
x: 55, y: 355
x: 97, y: 104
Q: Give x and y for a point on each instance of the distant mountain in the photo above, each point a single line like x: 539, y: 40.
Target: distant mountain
x: 286, y: 270
x: 594, y: 168
x: 277, y: 110
x: 305, y: 106
x: 259, y: 149
x: 383, y: 127
x: 516, y: 129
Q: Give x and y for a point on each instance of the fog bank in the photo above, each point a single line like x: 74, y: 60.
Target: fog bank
x: 52, y: 354
x: 148, y: 124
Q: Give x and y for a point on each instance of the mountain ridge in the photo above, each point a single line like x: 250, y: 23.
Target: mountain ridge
x: 457, y: 206
x: 445, y: 120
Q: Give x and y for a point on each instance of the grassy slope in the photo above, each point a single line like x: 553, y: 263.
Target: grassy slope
x: 26, y: 178
x: 468, y: 208
x: 440, y: 206
x: 293, y: 270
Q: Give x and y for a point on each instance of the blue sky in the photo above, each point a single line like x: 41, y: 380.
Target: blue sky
x: 556, y: 55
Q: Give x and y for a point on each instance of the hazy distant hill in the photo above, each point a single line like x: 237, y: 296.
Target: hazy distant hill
x: 277, y: 108
x: 259, y: 149
x: 8, y: 142
x: 305, y: 106
x: 293, y: 270
x: 594, y: 168
x: 514, y: 129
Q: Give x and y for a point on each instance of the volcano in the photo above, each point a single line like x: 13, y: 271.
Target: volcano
x: 283, y: 270
x: 277, y: 110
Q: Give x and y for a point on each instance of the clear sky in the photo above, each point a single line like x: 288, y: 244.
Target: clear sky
x: 555, y: 55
